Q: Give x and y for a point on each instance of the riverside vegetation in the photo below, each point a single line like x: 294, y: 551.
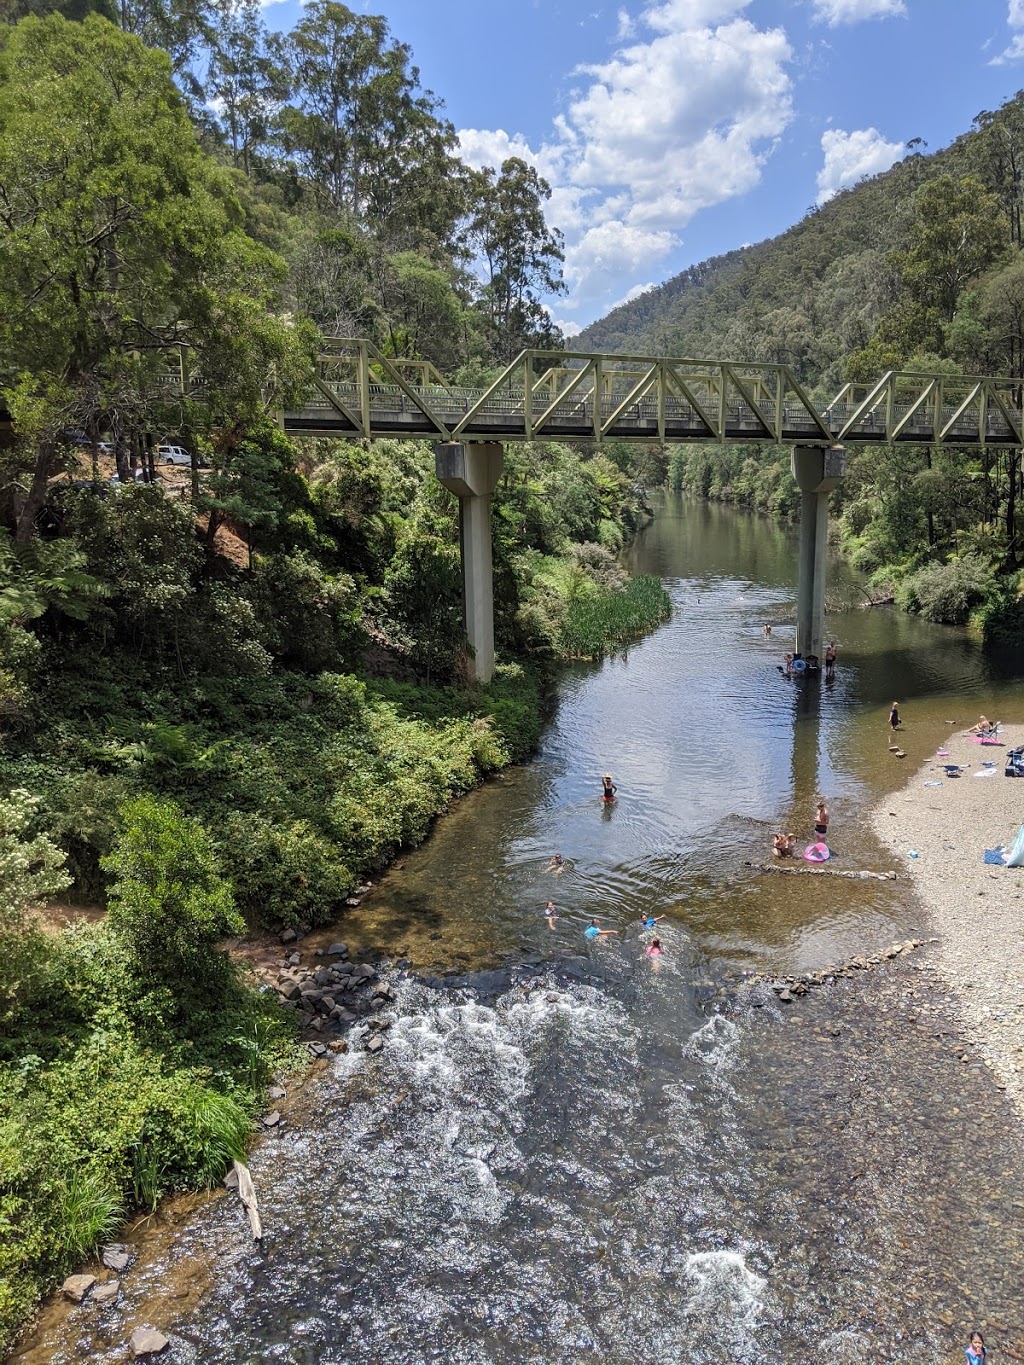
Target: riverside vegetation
x: 918, y: 269
x: 227, y: 708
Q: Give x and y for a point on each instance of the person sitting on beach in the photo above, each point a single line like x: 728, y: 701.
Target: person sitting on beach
x: 556, y: 865
x: 594, y: 930
x: 830, y: 659
x: 653, y: 948
x: 608, y: 788
x: 821, y: 818
x: 649, y: 921
x: 983, y: 728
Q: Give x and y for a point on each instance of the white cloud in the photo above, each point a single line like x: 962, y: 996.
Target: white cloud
x: 834, y: 12
x: 1015, y: 19
x: 850, y: 156
x: 626, y: 27
x: 607, y: 254
x: 632, y: 294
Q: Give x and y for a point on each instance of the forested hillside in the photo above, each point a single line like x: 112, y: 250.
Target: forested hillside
x: 920, y: 269
x: 233, y: 668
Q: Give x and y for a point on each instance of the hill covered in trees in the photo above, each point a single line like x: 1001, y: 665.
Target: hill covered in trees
x: 920, y: 268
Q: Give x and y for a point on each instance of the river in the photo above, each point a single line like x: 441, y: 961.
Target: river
x: 565, y: 1153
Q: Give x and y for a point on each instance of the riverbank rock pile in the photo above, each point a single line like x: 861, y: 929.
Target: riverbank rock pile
x: 789, y: 988
x: 335, y: 994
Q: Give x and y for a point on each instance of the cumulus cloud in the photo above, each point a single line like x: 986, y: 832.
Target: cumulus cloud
x: 835, y: 12
x: 1015, y: 19
x: 850, y: 156
x: 667, y: 126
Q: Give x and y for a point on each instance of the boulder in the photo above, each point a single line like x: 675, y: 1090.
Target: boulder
x: 106, y: 1293
x: 147, y: 1341
x: 338, y: 950
x: 276, y: 1092
x: 75, y: 1287
x: 117, y: 1257
x: 272, y: 1119
x: 374, y: 1043
x: 289, y: 936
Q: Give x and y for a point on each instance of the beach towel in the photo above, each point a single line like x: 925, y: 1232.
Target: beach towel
x: 1015, y: 857
x: 933, y: 784
x: 993, y: 856
x: 985, y: 772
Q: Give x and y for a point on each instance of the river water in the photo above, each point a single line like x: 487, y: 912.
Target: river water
x: 565, y: 1153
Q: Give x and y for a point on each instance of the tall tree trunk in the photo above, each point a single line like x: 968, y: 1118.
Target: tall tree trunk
x: 46, y: 467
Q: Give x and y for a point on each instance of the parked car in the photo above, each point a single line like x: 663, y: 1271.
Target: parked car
x: 173, y: 455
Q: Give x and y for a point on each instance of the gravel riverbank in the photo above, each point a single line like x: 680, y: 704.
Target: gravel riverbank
x: 976, y: 910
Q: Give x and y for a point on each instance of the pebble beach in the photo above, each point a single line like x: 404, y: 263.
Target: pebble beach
x: 975, y: 910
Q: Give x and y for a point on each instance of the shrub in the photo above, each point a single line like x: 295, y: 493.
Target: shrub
x: 948, y: 593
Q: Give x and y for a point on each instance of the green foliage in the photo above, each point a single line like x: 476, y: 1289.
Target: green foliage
x: 31, y: 870
x: 948, y: 593
x: 168, y: 903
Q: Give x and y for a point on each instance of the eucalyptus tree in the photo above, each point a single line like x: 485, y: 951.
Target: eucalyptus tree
x: 521, y: 257
x: 121, y: 240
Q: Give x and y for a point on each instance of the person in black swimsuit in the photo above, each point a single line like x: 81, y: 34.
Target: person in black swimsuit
x: 821, y: 818
x: 608, y: 788
x: 894, y: 716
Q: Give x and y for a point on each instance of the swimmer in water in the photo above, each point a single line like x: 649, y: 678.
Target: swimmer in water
x: 767, y: 631
x: 649, y: 921
x: 549, y: 914
x: 653, y: 949
x: 594, y: 930
x: 608, y: 788
x: 556, y: 865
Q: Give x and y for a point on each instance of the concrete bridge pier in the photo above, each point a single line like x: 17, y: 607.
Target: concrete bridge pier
x: 816, y: 471
x: 472, y: 472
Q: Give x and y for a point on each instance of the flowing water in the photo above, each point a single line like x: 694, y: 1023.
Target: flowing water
x: 567, y: 1153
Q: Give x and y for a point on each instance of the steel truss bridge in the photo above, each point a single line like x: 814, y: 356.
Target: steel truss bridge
x: 573, y: 396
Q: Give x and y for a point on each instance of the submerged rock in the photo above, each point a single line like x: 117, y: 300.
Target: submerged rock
x: 147, y: 1341
x: 117, y: 1257
x: 106, y: 1293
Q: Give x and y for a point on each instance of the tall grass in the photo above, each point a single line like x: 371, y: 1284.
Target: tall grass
x: 596, y: 623
x: 89, y: 1212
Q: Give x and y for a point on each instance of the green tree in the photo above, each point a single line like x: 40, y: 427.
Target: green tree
x: 120, y: 239
x: 169, y: 905
x: 521, y: 255
x: 31, y: 870
x: 248, y: 78
x: 957, y: 231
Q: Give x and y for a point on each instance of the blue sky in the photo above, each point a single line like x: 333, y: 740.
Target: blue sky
x: 674, y: 130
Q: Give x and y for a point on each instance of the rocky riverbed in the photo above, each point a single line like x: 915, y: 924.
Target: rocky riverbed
x: 938, y: 828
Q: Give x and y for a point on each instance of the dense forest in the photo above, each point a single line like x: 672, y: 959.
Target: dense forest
x: 232, y: 689
x: 917, y: 269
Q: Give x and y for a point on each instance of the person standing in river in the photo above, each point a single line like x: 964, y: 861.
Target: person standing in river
x: 608, y: 788
x: 549, y: 914
x: 830, y: 660
x: 821, y: 818
x: 894, y: 716
x: 975, y: 1351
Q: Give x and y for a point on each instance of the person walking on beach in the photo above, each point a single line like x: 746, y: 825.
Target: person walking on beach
x: 894, y: 716
x: 821, y: 818
x: 975, y: 1352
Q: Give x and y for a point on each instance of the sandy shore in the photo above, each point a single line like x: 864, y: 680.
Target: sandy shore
x: 976, y: 910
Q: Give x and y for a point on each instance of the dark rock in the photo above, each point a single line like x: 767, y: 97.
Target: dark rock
x: 316, y: 1024
x: 147, y: 1341
x: 290, y: 990
x: 338, y: 950
x: 75, y: 1287
x: 319, y: 952
x: 289, y: 936
x: 328, y: 1004
x: 117, y: 1257
x: 295, y: 959
x: 317, y: 1049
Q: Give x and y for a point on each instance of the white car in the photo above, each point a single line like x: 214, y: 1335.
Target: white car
x: 173, y: 455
